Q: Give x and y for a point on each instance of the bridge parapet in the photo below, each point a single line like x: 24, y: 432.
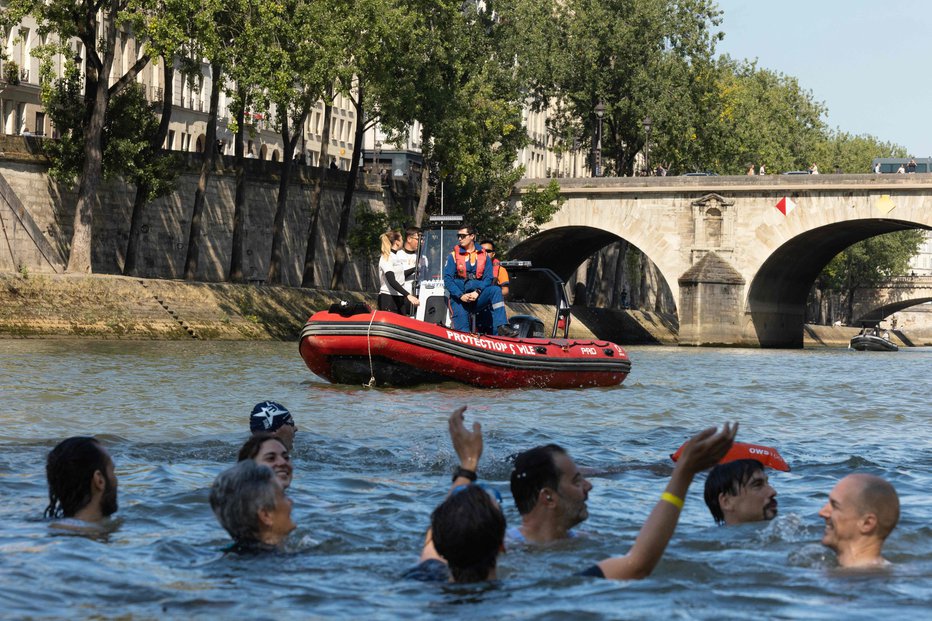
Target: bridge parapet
x: 735, y: 183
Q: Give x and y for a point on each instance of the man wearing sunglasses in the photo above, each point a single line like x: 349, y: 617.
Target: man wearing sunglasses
x: 407, y: 261
x: 468, y: 275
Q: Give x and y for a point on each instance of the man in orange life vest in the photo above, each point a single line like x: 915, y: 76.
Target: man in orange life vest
x: 468, y: 277
x: 499, y: 279
x: 499, y: 273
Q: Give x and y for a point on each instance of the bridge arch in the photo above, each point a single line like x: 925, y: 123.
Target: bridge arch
x: 776, y: 300
x: 564, y: 249
x: 876, y: 304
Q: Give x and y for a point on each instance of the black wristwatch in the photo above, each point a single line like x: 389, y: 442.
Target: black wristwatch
x: 466, y: 474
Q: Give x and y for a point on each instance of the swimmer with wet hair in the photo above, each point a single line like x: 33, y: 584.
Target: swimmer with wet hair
x: 861, y: 512
x: 467, y: 530
x: 252, y: 507
x: 469, y: 533
x: 269, y: 449
x: 82, y: 483
x: 739, y: 491
x: 550, y: 493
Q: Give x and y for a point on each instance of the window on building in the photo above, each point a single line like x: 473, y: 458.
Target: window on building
x: 713, y: 227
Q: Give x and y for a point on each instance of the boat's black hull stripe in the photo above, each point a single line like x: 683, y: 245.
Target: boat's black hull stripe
x: 468, y: 352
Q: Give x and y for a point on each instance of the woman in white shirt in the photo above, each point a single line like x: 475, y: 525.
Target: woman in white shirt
x: 391, y: 286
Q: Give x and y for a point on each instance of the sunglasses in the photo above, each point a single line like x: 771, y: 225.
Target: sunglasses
x: 462, y: 235
x: 493, y: 493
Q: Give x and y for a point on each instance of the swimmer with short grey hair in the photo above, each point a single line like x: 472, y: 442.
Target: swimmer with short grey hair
x: 861, y: 512
x: 250, y: 503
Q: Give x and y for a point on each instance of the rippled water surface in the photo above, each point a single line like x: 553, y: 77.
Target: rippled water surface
x: 370, y: 465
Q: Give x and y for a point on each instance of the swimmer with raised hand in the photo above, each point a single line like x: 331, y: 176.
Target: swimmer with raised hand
x: 467, y: 530
x: 703, y: 451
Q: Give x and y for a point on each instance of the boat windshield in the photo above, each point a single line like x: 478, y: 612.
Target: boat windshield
x: 436, y: 244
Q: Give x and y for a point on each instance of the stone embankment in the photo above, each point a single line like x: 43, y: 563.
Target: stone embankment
x: 103, y: 306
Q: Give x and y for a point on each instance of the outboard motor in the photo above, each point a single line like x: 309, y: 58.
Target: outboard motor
x: 528, y: 327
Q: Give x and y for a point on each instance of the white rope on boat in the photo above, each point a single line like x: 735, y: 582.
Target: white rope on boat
x: 369, y: 345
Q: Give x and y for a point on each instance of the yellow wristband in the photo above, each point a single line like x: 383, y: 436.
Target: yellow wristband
x: 676, y: 501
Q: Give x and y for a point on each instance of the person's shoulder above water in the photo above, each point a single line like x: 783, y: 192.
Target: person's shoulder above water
x: 514, y: 536
x: 251, y: 548
x: 431, y: 570
x: 593, y: 571
x: 74, y: 526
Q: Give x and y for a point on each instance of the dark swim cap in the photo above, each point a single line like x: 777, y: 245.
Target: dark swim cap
x: 269, y: 416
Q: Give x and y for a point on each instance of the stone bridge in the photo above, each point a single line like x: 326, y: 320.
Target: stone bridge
x: 896, y: 295
x: 738, y: 253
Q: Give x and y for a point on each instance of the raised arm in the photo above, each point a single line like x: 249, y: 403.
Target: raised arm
x: 468, y: 447
x: 703, y: 451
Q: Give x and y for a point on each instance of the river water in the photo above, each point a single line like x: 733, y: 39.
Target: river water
x: 370, y: 465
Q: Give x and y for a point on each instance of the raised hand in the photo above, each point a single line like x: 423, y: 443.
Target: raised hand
x: 466, y: 443
x: 707, y: 447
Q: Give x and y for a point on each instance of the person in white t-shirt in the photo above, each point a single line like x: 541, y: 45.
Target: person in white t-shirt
x: 406, y: 264
x: 391, y: 290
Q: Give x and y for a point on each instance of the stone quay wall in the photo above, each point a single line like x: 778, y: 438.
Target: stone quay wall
x: 36, y: 214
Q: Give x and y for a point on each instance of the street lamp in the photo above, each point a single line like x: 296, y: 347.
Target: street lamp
x: 647, y: 125
x: 597, y: 143
x: 575, y: 154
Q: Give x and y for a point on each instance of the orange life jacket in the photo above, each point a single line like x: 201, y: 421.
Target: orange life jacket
x: 460, y: 256
x: 496, y: 266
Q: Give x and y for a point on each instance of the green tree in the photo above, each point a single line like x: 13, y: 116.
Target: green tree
x: 156, y: 169
x: 475, y: 146
x: 847, y: 153
x: 305, y: 55
x: 253, y: 27
x: 395, y: 52
x: 169, y: 33
x: 95, y: 24
x: 211, y: 29
x: 636, y: 58
x: 125, y: 138
x: 754, y: 116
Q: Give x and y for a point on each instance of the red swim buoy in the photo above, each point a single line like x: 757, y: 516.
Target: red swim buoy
x: 742, y: 450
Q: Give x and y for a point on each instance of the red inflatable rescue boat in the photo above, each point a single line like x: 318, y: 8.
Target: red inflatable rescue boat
x: 353, y: 345
x: 742, y: 450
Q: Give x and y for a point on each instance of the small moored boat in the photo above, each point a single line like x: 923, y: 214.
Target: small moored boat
x: 872, y: 342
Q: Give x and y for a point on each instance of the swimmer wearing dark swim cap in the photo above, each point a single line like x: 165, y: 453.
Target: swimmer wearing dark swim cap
x: 274, y: 418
